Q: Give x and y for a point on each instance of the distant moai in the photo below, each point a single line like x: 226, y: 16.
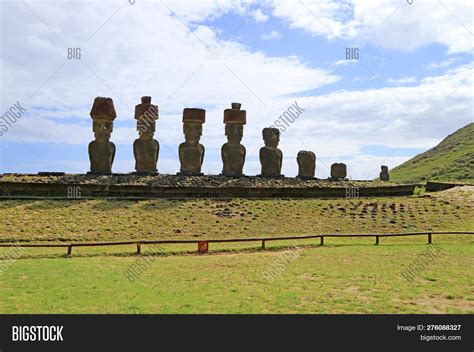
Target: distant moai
x: 101, y: 150
x: 384, y: 176
x: 145, y: 148
x: 191, y: 152
x: 270, y: 156
x: 338, y: 171
x: 306, y: 164
x: 232, y: 152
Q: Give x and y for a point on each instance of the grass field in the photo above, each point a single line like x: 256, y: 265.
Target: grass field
x: 349, y: 278
x: 344, y: 276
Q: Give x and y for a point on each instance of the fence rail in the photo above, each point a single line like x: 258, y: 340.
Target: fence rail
x: 263, y: 240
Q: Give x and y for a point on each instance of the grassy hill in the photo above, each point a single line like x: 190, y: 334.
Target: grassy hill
x: 108, y: 220
x: 451, y: 160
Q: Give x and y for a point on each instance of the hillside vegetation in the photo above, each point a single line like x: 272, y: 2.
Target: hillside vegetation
x: 111, y: 220
x: 451, y: 160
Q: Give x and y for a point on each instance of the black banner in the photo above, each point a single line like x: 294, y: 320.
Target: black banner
x: 218, y: 332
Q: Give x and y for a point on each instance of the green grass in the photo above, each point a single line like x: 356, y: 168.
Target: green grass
x: 357, y: 278
x: 451, y: 160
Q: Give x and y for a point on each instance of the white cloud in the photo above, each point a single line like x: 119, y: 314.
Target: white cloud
x: 442, y: 64
x: 370, y: 78
x: 329, y: 19
x: 344, y: 62
x: 389, y: 24
x: 191, y: 11
x: 259, y: 16
x: 402, y: 81
x: 271, y: 35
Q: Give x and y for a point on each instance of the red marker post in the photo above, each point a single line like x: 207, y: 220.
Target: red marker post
x: 203, y: 247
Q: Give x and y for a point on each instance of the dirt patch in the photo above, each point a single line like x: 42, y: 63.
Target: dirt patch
x: 440, y: 305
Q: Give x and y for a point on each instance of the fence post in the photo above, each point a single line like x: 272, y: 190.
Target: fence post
x: 69, y: 250
x: 429, y: 238
x: 263, y: 244
x: 139, y: 248
x: 322, y: 241
x: 377, y: 240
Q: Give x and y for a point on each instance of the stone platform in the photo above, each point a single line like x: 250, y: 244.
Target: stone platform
x: 128, y: 186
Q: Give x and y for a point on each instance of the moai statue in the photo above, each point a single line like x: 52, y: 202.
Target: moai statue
x: 191, y: 152
x: 306, y: 164
x: 384, y: 176
x: 101, y: 150
x: 232, y: 152
x: 338, y: 171
x: 270, y: 156
x: 145, y: 148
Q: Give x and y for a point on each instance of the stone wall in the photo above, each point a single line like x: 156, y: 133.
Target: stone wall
x: 117, y: 186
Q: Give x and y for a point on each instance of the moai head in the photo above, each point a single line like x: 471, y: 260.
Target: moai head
x: 146, y: 115
x: 271, y: 137
x: 103, y: 115
x: 306, y: 163
x: 384, y: 176
x: 234, y: 120
x: 234, y: 133
x: 192, y: 124
x: 338, y: 171
x: 102, y: 130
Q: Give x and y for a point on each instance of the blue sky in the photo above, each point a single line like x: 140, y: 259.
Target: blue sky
x: 266, y: 55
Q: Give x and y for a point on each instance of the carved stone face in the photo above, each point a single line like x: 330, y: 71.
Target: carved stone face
x: 303, y: 158
x: 146, y: 129
x: 234, y: 133
x: 306, y: 163
x: 102, y: 130
x: 192, y: 132
x: 384, y: 168
x: 271, y: 137
x: 338, y: 170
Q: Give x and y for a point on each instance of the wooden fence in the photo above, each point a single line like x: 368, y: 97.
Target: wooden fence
x: 263, y: 240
